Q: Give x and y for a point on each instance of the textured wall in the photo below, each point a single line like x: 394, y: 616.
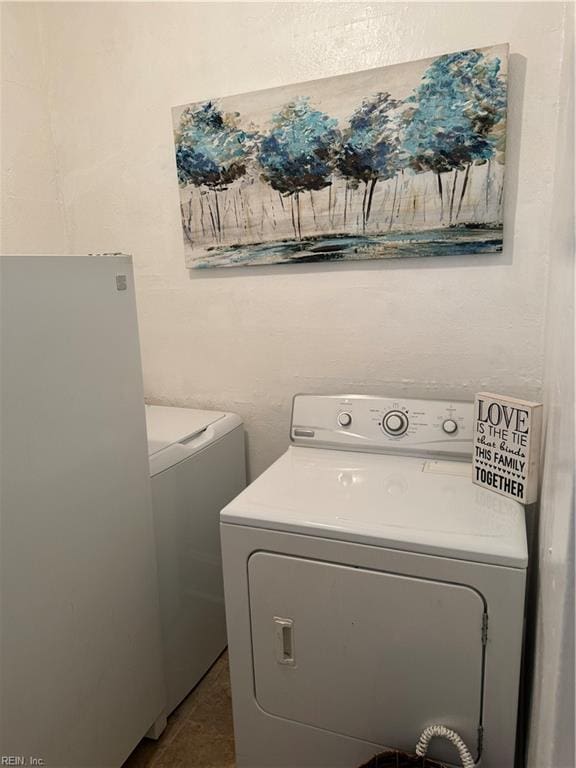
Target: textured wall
x: 31, y: 204
x: 246, y: 340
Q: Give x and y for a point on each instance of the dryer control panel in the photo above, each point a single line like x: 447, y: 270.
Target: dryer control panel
x: 440, y: 428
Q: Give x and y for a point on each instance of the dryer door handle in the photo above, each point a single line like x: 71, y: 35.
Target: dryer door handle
x: 284, y: 640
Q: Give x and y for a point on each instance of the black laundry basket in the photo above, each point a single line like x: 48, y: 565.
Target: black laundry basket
x: 395, y: 759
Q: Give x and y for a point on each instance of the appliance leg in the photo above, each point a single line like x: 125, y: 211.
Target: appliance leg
x: 157, y: 728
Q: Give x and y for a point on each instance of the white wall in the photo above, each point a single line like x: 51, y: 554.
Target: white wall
x: 551, y: 741
x: 247, y: 339
x: 32, y: 214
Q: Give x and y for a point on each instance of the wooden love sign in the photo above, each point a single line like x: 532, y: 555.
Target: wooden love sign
x: 506, y: 454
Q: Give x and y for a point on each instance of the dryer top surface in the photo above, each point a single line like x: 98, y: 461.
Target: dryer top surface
x: 396, y: 502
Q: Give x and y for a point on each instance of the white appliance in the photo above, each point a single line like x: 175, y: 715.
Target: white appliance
x: 80, y: 657
x: 373, y: 590
x: 197, y: 466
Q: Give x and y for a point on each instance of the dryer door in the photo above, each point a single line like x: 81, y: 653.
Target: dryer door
x: 372, y: 655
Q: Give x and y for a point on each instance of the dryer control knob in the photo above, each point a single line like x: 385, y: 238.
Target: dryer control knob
x: 450, y: 426
x: 344, y: 419
x: 395, y: 423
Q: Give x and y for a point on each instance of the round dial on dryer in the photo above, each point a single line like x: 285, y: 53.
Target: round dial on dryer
x: 450, y: 426
x: 344, y: 419
x: 395, y: 423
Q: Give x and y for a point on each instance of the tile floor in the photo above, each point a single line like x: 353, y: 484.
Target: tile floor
x: 199, y: 732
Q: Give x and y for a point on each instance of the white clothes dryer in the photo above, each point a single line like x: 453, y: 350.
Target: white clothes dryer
x: 197, y: 466
x: 373, y: 590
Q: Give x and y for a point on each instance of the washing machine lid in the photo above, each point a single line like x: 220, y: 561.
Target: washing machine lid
x: 390, y: 501
x: 167, y: 425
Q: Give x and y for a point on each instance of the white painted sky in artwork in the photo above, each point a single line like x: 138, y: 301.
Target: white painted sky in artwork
x: 339, y: 96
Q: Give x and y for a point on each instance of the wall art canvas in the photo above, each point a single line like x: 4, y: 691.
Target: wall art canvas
x: 405, y: 160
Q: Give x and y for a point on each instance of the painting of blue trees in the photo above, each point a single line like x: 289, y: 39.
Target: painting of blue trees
x: 405, y: 160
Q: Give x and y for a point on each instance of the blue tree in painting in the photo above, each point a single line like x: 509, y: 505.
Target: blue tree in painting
x: 212, y: 151
x: 486, y: 110
x: 297, y: 154
x: 460, y: 101
x: 370, y: 149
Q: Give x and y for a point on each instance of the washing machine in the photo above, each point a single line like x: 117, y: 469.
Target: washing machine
x: 197, y: 466
x: 372, y: 590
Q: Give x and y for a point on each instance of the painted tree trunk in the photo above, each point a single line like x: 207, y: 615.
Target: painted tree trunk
x: 202, y: 224
x: 370, y: 196
x: 400, y: 198
x: 452, y: 194
x: 393, y: 201
x: 218, y: 221
x: 212, y: 217
x: 186, y: 224
x: 364, y: 207
x: 298, y: 215
x: 464, y: 186
x: 441, y: 193
x: 501, y: 193
x: 293, y: 217
x: 313, y: 209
